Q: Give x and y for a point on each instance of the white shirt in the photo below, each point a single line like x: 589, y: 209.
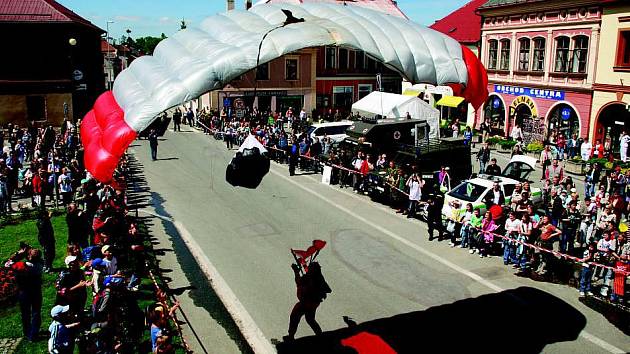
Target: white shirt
x: 497, y: 196
x: 585, y: 150
x: 516, y: 133
x: 512, y: 225
x: 415, y: 190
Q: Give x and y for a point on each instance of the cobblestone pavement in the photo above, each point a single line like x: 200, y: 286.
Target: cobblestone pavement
x: 9, y: 345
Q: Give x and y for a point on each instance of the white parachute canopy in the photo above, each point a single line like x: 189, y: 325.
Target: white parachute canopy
x: 197, y: 60
x: 391, y: 105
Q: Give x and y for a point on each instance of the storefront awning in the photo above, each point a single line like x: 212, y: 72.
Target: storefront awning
x: 411, y: 92
x: 450, y: 101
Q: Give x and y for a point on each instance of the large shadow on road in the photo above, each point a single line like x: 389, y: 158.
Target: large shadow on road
x: 522, y: 320
x: 198, y: 286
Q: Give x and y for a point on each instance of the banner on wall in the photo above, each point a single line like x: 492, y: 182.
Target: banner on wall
x: 531, y: 92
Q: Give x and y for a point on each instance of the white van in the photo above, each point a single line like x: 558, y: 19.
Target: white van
x: 336, y: 131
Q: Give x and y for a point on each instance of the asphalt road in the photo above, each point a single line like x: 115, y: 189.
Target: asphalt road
x: 384, y: 272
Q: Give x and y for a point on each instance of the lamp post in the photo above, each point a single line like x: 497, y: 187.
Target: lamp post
x: 110, y: 69
x: 289, y: 20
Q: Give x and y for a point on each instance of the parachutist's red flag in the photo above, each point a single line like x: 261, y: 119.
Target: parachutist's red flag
x: 309, y: 254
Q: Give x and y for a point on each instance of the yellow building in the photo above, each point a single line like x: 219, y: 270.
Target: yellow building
x: 610, y: 113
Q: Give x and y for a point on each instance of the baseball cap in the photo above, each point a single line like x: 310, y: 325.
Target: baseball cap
x: 69, y: 260
x: 105, y: 248
x: 58, y: 310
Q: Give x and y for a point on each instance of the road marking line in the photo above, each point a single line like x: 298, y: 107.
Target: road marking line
x: 246, y: 324
x: 586, y: 335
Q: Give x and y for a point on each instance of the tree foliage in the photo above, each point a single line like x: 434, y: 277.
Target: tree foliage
x: 147, y: 44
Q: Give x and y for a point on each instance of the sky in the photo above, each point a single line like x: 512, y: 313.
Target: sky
x: 153, y: 17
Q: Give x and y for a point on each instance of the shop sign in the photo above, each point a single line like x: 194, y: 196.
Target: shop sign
x: 496, y: 103
x: 266, y: 93
x: 526, y: 101
x: 565, y: 113
x: 531, y: 92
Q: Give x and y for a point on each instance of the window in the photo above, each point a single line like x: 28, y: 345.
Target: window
x: 262, y: 72
x: 538, y: 61
x: 343, y: 58
x: 371, y: 64
x: 580, y: 54
x: 493, y: 46
x: 343, y: 96
x: 364, y: 90
x: 331, y: 57
x: 523, y: 54
x: 467, y: 191
x: 36, y: 108
x: 291, y: 69
x: 359, y: 63
x: 505, y: 54
x: 623, y: 49
x: 562, y: 55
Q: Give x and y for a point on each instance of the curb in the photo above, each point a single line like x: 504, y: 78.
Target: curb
x: 245, y: 323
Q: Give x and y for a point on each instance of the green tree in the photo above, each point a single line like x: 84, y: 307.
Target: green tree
x: 147, y: 44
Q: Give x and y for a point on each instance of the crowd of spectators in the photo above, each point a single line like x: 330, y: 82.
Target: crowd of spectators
x: 585, y: 228
x: 96, y: 291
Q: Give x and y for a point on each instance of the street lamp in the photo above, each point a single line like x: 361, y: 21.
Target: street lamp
x: 289, y: 21
x: 110, y: 70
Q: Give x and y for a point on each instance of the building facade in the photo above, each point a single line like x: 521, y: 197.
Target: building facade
x: 611, y: 91
x: 54, y: 69
x: 283, y: 83
x: 320, y: 80
x: 541, y: 58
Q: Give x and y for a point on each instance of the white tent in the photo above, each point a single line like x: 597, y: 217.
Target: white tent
x: 391, y: 105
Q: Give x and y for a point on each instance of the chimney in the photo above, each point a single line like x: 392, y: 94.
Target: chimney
x: 248, y: 4
x: 230, y: 5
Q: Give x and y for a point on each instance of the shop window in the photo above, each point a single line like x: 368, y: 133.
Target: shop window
x: 564, y: 120
x: 494, y: 114
x: 611, y: 122
x: 493, y: 46
x: 343, y: 96
x: 359, y: 63
x: 262, y: 72
x: 291, y: 69
x: 538, y: 61
x: 364, y: 90
x: 505, y: 54
x: 623, y: 49
x: 331, y: 57
x: 580, y: 54
x: 523, y: 54
x: 36, y: 108
x: 562, y: 55
x: 343, y: 58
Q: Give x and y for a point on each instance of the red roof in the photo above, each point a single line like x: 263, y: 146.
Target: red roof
x: 48, y: 11
x: 386, y: 6
x: 106, y: 47
x: 462, y: 24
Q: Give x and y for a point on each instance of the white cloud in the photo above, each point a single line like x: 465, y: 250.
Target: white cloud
x: 123, y: 18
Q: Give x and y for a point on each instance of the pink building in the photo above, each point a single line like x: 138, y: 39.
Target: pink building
x: 541, y: 58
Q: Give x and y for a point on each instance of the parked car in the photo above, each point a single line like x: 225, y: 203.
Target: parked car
x: 336, y: 131
x: 474, y: 190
